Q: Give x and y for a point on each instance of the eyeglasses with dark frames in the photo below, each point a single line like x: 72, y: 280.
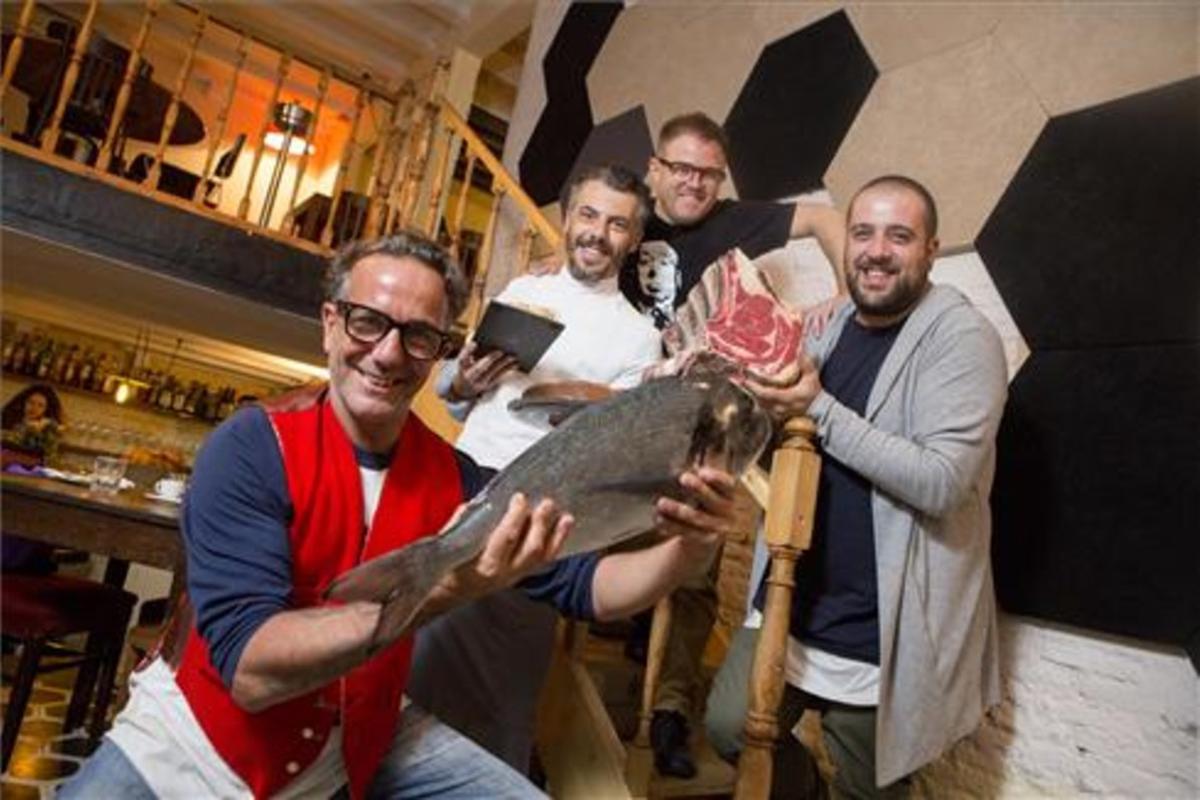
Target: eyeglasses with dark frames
x: 420, y: 340
x: 685, y: 171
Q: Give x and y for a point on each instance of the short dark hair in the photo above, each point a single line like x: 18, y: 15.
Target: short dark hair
x: 619, y: 179
x: 402, y: 244
x: 698, y: 124
x: 914, y: 186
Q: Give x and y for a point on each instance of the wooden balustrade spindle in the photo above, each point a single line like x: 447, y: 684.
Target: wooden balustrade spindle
x: 18, y: 44
x: 243, y: 50
x: 525, y: 250
x: 412, y: 189
x: 403, y: 155
x: 322, y: 92
x: 339, y: 184
x: 176, y: 98
x: 460, y: 210
x: 793, y: 497
x: 439, y: 185
x: 285, y: 64
x: 377, y: 184
x: 126, y: 91
x: 483, y: 260
x: 50, y: 140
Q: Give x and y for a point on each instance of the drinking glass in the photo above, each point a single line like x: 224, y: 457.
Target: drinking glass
x: 107, y: 473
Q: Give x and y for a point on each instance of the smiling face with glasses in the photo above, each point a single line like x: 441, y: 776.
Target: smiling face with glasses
x: 685, y: 177
x: 382, y: 337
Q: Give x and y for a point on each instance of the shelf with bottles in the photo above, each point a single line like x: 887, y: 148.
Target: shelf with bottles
x: 128, y: 377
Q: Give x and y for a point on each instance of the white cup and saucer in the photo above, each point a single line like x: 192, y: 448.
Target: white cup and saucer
x: 169, y: 488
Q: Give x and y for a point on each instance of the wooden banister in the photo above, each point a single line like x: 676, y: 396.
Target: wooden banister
x: 503, y: 178
x: 18, y: 44
x: 794, y: 474
x: 339, y: 184
x: 322, y: 93
x: 185, y: 72
x: 260, y: 142
x: 50, y: 141
x: 126, y: 90
x: 243, y: 50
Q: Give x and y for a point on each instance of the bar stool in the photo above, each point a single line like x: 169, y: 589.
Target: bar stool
x: 36, y: 609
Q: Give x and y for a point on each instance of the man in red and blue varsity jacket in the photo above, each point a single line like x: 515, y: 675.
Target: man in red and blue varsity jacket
x: 275, y: 694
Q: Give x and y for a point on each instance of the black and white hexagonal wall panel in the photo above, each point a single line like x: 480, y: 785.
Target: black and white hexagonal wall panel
x: 566, y: 119
x: 798, y: 102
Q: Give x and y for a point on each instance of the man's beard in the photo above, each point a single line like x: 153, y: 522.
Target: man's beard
x: 904, y: 294
x: 582, y: 273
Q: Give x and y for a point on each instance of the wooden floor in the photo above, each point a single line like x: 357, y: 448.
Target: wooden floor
x: 45, y: 755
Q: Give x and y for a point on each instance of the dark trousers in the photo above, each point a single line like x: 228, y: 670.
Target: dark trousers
x: 849, y: 733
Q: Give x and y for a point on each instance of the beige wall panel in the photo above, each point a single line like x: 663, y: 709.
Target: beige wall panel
x: 1079, y: 55
x: 960, y: 122
x: 896, y: 34
x: 673, y: 58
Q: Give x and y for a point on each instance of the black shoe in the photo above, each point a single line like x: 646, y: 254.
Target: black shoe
x: 669, y: 739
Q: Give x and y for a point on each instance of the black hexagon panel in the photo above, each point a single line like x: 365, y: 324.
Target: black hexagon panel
x: 1092, y: 247
x: 795, y: 108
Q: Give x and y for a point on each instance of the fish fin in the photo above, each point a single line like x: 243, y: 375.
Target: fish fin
x: 410, y: 570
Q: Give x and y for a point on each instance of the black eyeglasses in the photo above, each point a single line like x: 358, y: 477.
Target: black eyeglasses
x: 420, y: 340
x: 685, y: 171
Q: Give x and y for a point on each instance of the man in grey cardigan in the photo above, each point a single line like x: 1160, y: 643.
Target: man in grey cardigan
x: 894, y: 619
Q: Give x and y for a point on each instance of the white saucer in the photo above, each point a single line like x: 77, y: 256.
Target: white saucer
x: 162, y: 498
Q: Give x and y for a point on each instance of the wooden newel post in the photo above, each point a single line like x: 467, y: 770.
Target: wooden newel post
x: 794, y: 474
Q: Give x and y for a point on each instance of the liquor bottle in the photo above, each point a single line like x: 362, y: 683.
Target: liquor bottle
x: 45, y: 361
x: 100, y: 375
x: 9, y: 346
x: 193, y: 397
x: 70, y: 373
x: 87, y: 368
x: 166, y: 393
x: 20, y: 354
x: 179, y: 400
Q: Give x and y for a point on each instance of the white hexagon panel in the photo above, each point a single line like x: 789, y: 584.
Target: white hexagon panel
x: 967, y: 273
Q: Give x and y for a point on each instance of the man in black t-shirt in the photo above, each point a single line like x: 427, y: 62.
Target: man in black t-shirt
x: 690, y: 229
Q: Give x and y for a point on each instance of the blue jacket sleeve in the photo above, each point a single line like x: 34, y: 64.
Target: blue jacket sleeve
x: 235, y: 525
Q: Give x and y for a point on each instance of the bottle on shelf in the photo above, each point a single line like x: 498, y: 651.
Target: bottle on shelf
x: 87, y: 368
x: 20, y: 354
x: 45, y: 361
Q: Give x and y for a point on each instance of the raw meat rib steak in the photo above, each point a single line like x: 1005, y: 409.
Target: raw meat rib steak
x: 734, y: 312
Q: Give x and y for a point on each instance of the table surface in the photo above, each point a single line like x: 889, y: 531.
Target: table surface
x: 126, y: 526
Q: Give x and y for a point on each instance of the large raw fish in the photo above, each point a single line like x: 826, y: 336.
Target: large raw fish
x: 606, y: 465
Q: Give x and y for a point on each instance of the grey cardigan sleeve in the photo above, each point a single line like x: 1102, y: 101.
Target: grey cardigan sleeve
x: 954, y: 411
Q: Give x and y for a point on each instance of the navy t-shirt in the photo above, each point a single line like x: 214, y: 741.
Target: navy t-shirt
x: 235, y: 524
x: 836, y: 607
x: 657, y: 276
